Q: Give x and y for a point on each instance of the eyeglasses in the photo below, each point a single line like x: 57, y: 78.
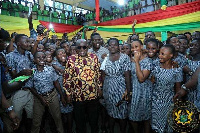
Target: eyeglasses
x: 84, y: 47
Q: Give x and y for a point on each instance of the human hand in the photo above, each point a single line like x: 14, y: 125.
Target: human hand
x: 40, y: 37
x: 179, y: 94
x: 62, y: 99
x: 126, y: 96
x: 69, y: 99
x: 43, y: 101
x: 137, y: 56
x: 14, y: 119
x: 13, y: 39
x: 134, y: 23
x: 103, y: 56
x: 100, y: 93
x: 26, y: 72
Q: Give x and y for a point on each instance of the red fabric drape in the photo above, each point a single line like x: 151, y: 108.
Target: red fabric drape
x: 97, y: 10
x: 173, y: 11
x: 61, y: 28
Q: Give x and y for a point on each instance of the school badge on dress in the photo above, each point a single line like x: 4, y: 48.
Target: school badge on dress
x: 184, y: 117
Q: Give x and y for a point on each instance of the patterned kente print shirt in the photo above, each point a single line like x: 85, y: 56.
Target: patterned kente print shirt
x: 82, y: 77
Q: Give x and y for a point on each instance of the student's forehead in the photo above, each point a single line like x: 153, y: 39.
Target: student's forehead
x: 82, y: 44
x: 40, y: 54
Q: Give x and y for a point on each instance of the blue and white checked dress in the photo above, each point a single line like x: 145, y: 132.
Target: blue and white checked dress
x: 140, y: 108
x: 114, y: 86
x: 162, y: 96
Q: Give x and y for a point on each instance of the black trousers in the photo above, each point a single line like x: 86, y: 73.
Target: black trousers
x: 86, y: 111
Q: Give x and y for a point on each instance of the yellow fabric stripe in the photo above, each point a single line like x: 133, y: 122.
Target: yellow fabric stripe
x: 188, y: 18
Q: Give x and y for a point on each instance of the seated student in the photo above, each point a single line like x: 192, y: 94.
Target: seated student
x: 45, y: 94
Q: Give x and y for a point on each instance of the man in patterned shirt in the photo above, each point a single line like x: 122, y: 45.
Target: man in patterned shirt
x: 82, y: 83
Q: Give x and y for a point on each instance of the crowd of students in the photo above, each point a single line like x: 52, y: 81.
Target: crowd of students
x: 134, y: 84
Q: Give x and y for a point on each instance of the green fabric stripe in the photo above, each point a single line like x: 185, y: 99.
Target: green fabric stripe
x: 176, y: 27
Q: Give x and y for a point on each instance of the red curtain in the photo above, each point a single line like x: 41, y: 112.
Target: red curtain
x: 172, y: 11
x: 61, y: 28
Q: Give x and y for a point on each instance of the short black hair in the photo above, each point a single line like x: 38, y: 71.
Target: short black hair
x: 169, y: 38
x: 73, y: 44
x: 182, y: 36
x: 36, y: 53
x: 151, y: 32
x: 129, y: 45
x: 94, y: 34
x: 4, y: 35
x: 152, y: 40
x: 13, y: 34
x: 18, y: 37
x: 171, y: 47
x: 56, y: 52
x: 63, y: 42
x: 185, y: 39
x: 113, y: 39
x: 137, y: 40
x: 81, y: 41
x: 196, y: 39
x: 187, y: 33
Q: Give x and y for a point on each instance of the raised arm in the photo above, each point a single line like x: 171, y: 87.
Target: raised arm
x: 188, y: 85
x: 133, y: 26
x: 30, y: 22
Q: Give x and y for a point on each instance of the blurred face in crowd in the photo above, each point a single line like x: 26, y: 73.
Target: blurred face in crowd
x: 61, y: 55
x: 24, y: 43
x: 113, y: 46
x: 2, y: 45
x: 52, y: 49
x: 40, y: 48
x: 54, y: 38
x: 73, y: 50
x: 66, y: 47
x: 183, y: 45
x: 189, y: 37
x: 136, y: 47
x: 32, y: 41
x: 39, y: 59
x: 48, y: 58
x: 96, y: 41
x: 195, y: 35
x: 40, y: 29
x: 126, y: 49
x: 152, y: 49
x: 82, y: 47
x: 165, y: 54
x: 175, y: 41
x: 194, y: 48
